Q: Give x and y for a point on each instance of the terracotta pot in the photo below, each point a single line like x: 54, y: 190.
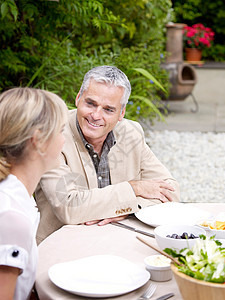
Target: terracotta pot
x: 193, y: 54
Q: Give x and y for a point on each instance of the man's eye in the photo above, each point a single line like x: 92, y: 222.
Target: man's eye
x: 90, y: 103
x: 109, y: 110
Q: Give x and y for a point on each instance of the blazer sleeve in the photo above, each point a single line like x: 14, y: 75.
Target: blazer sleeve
x: 152, y: 168
x: 139, y: 163
x: 74, y: 202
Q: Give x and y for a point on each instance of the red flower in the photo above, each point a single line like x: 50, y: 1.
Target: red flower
x: 198, y: 36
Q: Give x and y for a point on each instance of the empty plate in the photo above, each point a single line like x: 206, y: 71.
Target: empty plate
x: 98, y: 276
x: 172, y: 213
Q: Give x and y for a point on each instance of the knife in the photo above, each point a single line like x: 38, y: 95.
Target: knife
x: 164, y: 297
x: 133, y: 229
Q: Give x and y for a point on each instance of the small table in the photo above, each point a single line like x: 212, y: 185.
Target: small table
x: 73, y: 242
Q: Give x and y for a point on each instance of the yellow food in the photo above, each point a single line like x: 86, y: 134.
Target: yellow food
x: 205, y: 224
x: 220, y: 225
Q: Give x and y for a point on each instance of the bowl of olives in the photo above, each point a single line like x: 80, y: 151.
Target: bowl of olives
x: 177, y: 236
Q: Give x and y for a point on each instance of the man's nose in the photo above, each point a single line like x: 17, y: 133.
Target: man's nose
x: 97, y: 113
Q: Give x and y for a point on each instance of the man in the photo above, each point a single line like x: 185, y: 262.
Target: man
x: 107, y: 170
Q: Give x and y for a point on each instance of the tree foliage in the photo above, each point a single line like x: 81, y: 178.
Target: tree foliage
x: 51, y: 45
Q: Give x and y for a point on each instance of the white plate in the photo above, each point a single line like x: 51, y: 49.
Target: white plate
x: 98, y: 276
x: 172, y: 213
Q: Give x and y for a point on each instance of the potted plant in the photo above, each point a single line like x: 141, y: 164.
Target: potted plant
x: 196, y: 38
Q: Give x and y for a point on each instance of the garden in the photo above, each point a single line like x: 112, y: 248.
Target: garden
x: 52, y: 44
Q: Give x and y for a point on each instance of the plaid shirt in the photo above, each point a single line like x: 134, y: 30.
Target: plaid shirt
x: 100, y: 163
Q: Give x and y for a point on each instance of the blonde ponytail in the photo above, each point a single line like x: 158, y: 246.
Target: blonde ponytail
x: 4, y: 168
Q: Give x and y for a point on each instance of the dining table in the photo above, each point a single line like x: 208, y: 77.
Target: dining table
x: 73, y: 242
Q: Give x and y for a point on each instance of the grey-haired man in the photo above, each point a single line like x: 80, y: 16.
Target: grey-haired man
x: 107, y: 170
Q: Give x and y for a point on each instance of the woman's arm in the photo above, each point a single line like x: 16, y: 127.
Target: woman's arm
x: 8, y: 277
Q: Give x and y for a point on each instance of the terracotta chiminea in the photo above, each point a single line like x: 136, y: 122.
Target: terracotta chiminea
x: 182, y: 76
x: 174, y: 42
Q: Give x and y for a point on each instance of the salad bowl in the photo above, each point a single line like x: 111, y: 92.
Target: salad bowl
x: 201, y: 276
x: 195, y: 289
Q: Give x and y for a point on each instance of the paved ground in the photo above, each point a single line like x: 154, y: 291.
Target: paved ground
x: 192, y: 145
x: 210, y: 95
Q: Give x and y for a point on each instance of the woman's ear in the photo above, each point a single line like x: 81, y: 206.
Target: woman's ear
x: 36, y: 142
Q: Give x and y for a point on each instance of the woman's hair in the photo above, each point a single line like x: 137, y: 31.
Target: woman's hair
x: 109, y: 75
x: 22, y: 111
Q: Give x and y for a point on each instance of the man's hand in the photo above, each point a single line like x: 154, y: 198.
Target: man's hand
x: 149, y: 189
x: 106, y: 221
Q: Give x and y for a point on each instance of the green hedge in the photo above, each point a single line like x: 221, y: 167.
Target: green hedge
x: 51, y: 45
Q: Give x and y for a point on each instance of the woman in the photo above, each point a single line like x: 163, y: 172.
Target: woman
x: 31, y: 139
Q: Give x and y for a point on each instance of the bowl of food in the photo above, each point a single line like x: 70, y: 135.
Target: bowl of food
x: 201, y: 275
x: 195, y: 289
x: 159, y: 267
x: 177, y: 236
x: 214, y: 228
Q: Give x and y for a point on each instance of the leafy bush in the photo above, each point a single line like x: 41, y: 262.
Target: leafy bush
x: 144, y: 89
x: 51, y: 45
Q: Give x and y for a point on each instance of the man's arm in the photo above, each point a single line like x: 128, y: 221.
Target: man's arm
x: 155, y: 180
x: 152, y: 189
x: 154, y: 183
x: 73, y: 201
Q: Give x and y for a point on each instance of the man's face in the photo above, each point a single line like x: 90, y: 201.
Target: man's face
x: 99, y: 110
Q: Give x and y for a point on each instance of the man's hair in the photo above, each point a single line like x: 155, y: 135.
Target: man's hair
x: 109, y: 75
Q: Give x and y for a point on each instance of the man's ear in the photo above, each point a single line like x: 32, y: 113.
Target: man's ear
x: 77, y: 99
x: 122, y: 114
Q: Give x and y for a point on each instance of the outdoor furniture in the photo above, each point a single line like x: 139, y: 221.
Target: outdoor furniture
x: 73, y: 242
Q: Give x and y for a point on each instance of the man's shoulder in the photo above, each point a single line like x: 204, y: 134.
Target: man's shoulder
x: 71, y: 125
x: 127, y: 124
x: 71, y: 133
x: 72, y: 113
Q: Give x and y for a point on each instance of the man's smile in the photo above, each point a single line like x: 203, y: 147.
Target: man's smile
x: 93, y: 124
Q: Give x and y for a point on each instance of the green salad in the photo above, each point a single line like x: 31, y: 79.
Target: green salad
x: 205, y: 261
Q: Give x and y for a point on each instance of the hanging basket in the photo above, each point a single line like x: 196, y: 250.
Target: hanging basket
x: 193, y: 54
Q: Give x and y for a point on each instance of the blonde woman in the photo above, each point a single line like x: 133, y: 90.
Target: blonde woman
x: 31, y: 139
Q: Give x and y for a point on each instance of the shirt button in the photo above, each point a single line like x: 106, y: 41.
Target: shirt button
x: 15, y: 253
x: 99, y: 177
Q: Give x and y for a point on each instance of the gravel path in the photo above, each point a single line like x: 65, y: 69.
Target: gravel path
x: 195, y: 159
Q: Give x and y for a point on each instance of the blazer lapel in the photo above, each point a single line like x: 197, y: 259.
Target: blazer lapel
x: 85, y: 158
x: 88, y: 166
x: 116, y: 157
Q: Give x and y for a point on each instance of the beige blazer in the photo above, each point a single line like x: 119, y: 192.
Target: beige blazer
x: 70, y: 194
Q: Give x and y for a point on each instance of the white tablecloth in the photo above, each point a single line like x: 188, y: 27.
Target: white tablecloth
x: 79, y: 241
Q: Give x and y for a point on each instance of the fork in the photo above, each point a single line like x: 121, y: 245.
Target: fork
x: 149, y: 292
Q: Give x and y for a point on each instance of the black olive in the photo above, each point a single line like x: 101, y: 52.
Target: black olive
x: 174, y: 236
x: 184, y: 235
x: 192, y: 236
